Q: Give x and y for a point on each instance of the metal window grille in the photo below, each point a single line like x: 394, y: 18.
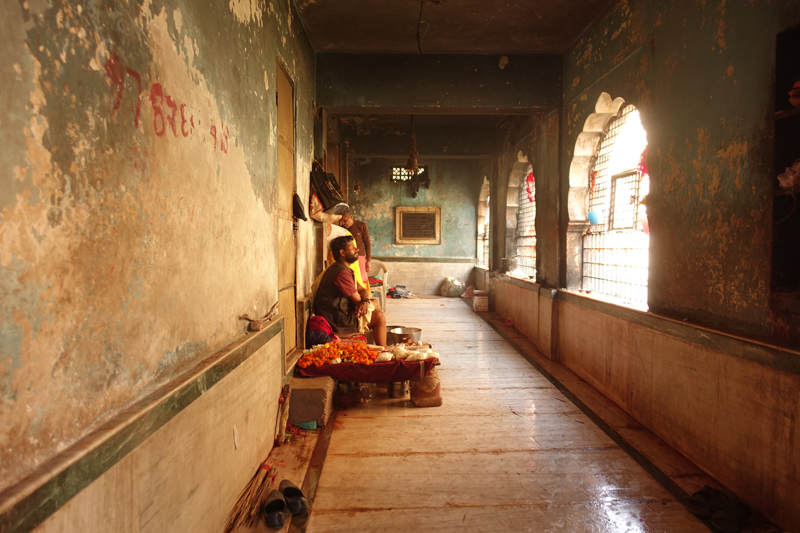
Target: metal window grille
x: 526, y: 232
x: 400, y: 174
x: 616, y: 250
x: 623, y: 213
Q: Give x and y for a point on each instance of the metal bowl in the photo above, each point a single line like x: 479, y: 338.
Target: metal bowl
x: 403, y: 334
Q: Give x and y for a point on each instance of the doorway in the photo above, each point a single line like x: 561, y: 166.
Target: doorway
x: 287, y: 245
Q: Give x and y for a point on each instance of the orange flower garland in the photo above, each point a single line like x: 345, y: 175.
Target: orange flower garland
x: 347, y: 352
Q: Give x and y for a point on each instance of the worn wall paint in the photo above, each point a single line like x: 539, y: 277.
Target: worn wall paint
x: 455, y: 186
x: 473, y: 138
x: 137, y: 195
x: 436, y: 82
x: 701, y: 75
x: 540, y: 148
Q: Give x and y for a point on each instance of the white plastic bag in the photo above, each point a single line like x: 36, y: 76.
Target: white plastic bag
x: 452, y: 287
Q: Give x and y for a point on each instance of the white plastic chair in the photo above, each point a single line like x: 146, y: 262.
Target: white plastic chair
x: 378, y: 268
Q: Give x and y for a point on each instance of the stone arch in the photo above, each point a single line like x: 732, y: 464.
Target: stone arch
x: 583, y: 156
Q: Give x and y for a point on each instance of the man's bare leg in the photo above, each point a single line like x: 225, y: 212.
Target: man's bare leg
x: 378, y: 326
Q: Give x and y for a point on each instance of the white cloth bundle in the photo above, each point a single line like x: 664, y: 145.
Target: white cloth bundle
x: 399, y: 351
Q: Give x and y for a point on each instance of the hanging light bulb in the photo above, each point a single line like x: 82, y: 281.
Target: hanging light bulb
x: 357, y: 187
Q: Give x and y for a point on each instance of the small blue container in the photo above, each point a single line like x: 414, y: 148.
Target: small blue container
x: 594, y: 217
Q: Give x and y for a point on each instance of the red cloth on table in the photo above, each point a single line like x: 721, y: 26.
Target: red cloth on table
x: 388, y: 372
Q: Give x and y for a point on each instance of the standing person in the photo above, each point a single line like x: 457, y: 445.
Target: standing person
x: 361, y: 234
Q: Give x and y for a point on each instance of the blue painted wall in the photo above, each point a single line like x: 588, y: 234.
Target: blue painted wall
x: 455, y: 186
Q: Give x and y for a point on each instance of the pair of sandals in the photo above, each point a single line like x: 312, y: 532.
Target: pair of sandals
x: 727, y: 514
x: 280, y: 503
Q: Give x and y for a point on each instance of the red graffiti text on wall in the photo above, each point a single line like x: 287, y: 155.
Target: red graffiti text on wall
x: 168, y: 114
x: 116, y: 72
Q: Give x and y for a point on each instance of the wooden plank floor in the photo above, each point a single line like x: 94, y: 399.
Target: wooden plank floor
x: 506, y: 452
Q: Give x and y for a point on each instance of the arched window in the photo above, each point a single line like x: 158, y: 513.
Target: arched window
x: 616, y: 245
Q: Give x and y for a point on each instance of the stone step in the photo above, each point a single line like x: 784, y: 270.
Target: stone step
x: 311, y: 400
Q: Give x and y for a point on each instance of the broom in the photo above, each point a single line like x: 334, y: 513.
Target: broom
x: 248, y: 506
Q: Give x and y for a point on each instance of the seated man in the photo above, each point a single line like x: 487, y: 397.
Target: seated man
x: 341, y: 302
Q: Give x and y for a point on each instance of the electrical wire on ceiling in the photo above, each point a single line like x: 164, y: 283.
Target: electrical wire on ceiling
x: 419, y: 22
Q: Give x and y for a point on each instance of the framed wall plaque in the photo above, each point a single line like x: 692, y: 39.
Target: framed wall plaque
x: 418, y: 225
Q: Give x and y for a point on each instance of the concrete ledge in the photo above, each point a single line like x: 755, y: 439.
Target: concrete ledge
x: 766, y: 354
x: 777, y: 357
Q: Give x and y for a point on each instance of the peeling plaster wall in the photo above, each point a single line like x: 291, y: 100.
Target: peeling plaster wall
x: 540, y: 147
x: 455, y: 186
x: 432, y: 140
x: 701, y: 74
x: 438, y: 82
x: 137, y: 200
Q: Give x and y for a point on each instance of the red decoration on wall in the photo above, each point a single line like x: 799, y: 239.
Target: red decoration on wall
x: 643, y: 163
x: 531, y: 181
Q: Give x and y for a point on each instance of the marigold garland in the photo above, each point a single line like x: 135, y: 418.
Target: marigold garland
x: 335, y: 352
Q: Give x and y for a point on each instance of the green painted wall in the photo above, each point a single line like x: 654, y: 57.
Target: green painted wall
x: 137, y: 200
x: 455, y: 186
x: 701, y: 74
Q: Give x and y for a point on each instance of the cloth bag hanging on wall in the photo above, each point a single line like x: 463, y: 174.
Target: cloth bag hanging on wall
x: 325, y: 192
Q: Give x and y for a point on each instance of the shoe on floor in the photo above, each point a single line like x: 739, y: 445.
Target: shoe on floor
x: 274, y: 510
x: 295, y: 500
